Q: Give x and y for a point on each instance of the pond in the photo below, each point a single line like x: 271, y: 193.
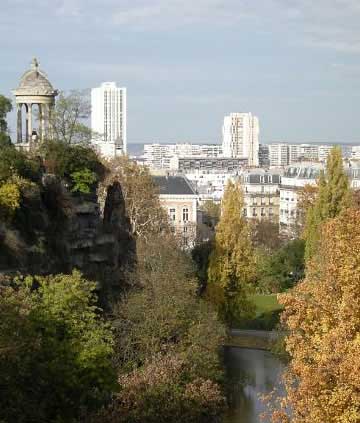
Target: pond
x: 251, y: 373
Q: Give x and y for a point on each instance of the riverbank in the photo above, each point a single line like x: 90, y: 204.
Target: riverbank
x: 254, y: 339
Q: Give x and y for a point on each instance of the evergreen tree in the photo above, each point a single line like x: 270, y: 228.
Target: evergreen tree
x: 231, y: 267
x: 333, y: 197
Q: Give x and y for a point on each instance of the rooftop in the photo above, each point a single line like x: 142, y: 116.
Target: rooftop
x: 173, y: 185
x: 35, y: 82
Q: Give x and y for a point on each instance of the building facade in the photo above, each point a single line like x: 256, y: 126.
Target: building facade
x: 261, y: 194
x: 108, y: 119
x: 165, y: 156
x: 180, y: 201
x: 294, y: 179
x: 264, y: 155
x: 278, y: 154
x: 240, y: 134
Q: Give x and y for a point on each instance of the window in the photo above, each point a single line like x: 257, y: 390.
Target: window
x: 254, y: 212
x: 245, y: 212
x: 271, y: 211
x: 262, y: 212
x: 172, y: 214
x: 185, y: 229
x: 185, y: 214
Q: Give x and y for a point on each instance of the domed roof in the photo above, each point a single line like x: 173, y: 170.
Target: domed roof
x: 35, y: 82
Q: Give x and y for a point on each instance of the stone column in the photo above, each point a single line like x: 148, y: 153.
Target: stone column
x: 29, y: 122
x: 50, y: 123
x: 41, y: 122
x: 19, y: 122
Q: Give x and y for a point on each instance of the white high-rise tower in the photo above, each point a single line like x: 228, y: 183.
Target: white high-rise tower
x: 241, y: 137
x: 108, y: 119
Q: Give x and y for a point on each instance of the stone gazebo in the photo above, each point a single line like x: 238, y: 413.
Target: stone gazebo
x: 34, y: 89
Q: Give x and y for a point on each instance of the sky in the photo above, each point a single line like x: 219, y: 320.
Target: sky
x: 186, y: 63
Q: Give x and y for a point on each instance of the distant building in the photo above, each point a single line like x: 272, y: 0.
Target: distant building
x: 294, y: 179
x: 165, y: 156
x: 264, y: 155
x: 108, y: 119
x: 355, y: 152
x: 179, y: 199
x: 241, y: 137
x: 261, y: 194
x: 211, y: 165
x: 279, y: 154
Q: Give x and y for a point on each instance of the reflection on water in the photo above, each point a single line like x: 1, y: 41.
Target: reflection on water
x: 251, y: 373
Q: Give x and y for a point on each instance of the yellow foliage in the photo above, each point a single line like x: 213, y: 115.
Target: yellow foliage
x: 232, y: 264
x: 323, y: 317
x: 9, y: 199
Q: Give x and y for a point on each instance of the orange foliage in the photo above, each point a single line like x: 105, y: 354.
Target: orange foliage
x: 323, y: 317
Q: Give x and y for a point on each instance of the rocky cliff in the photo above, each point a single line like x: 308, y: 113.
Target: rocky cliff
x: 56, y: 231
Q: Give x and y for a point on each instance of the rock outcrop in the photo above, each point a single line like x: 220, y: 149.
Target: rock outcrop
x: 56, y: 231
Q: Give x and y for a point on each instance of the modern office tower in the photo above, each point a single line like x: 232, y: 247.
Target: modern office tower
x: 264, y: 158
x: 108, y: 119
x: 241, y: 137
x: 279, y: 154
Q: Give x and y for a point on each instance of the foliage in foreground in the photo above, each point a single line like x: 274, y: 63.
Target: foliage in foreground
x: 232, y: 267
x: 167, y: 346
x: 334, y: 196
x: 322, y: 314
x: 55, y: 350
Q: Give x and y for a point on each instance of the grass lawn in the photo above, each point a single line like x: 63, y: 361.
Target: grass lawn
x: 265, y: 303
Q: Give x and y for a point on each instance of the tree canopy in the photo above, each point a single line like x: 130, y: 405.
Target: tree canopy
x: 322, y: 315
x: 232, y: 263
x: 55, y: 350
x: 333, y: 196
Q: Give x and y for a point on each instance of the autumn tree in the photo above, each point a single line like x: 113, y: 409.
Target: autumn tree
x: 334, y: 196
x: 167, y: 342
x: 141, y: 196
x: 232, y: 265
x: 322, y: 315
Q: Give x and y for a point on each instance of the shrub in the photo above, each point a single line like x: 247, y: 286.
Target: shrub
x: 55, y: 350
x: 83, y: 181
x: 9, y: 200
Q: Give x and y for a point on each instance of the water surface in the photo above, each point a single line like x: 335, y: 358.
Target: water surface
x: 252, y: 373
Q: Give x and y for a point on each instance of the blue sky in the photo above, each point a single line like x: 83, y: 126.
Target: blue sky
x: 186, y: 63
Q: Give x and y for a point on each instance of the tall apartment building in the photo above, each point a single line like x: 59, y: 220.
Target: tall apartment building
x: 241, y: 137
x: 108, y: 119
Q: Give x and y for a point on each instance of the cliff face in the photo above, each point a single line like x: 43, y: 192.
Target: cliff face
x: 56, y: 231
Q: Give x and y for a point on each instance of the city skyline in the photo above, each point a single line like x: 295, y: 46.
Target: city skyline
x: 292, y: 64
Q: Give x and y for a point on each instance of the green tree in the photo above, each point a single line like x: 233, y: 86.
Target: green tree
x: 232, y: 263
x: 55, y: 350
x: 334, y: 195
x: 282, y: 269
x: 69, y: 117
x: 5, y: 108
